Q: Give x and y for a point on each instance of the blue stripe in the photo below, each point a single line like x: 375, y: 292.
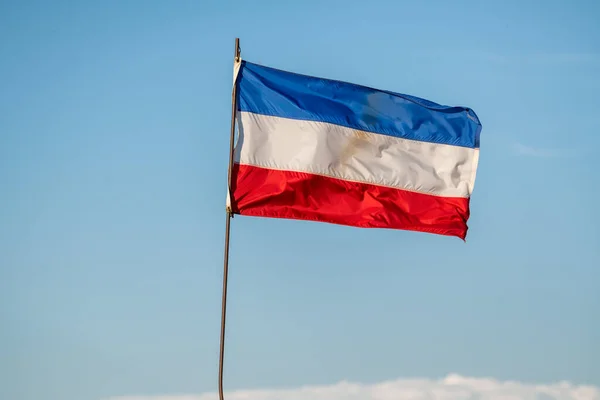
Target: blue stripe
x: 268, y: 91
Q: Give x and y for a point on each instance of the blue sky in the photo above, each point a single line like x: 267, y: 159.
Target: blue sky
x: 114, y: 129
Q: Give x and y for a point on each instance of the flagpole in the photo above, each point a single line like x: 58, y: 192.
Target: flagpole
x: 229, y: 216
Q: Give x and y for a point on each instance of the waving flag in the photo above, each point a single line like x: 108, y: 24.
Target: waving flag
x: 330, y: 151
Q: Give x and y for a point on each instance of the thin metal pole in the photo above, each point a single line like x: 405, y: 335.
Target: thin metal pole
x: 227, y: 226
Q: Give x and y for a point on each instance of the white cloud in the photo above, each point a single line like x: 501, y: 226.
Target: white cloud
x: 530, y: 151
x: 453, y: 387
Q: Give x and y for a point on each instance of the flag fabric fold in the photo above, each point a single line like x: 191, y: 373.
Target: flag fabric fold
x: 317, y: 149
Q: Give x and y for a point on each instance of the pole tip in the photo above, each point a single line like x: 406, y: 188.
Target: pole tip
x: 238, y: 50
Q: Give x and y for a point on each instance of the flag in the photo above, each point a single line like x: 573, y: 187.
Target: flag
x: 323, y: 150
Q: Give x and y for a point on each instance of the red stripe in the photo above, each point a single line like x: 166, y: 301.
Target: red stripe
x: 262, y: 192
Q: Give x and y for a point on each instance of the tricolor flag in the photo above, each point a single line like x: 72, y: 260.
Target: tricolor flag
x: 330, y: 151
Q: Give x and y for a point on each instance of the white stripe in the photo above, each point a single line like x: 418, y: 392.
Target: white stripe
x: 353, y: 155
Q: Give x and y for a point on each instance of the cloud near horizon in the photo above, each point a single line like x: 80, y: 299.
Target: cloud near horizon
x: 452, y: 387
